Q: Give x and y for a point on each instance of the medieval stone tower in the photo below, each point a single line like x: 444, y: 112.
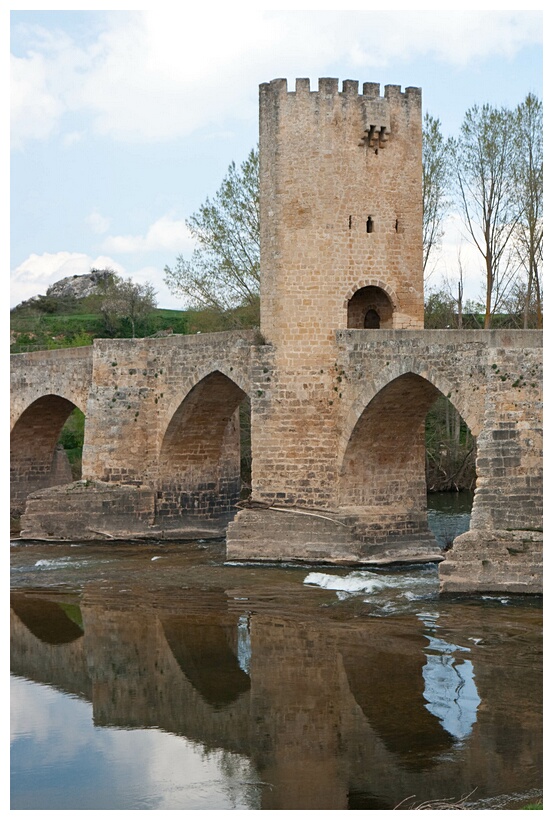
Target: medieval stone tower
x: 341, y: 247
x: 341, y: 211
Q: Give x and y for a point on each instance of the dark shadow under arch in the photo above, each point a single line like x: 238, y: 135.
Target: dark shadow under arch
x: 370, y: 307
x: 383, y: 471
x: 48, y: 621
x: 202, y: 650
x: 36, y: 460
x: 389, y: 689
x: 203, y: 638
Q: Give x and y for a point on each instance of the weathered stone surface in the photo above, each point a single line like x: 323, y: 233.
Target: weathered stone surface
x: 87, y: 509
x: 303, y: 535
x: 80, y: 285
x: 98, y: 511
x: 496, y: 561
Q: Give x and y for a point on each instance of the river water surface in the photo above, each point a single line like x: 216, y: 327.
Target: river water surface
x: 157, y: 676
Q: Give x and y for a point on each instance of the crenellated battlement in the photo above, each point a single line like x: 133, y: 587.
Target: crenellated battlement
x: 329, y: 86
x: 374, y: 111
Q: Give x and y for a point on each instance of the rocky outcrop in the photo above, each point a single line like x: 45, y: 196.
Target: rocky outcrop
x: 80, y: 285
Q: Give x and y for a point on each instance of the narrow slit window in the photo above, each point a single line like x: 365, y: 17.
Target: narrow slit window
x: 370, y: 224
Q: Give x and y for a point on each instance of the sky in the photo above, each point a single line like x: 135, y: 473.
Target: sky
x: 124, y: 122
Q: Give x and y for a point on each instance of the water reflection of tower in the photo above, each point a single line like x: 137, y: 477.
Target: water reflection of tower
x: 295, y: 714
x: 449, y: 686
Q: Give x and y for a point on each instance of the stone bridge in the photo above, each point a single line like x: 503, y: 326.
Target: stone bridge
x: 338, y: 468
x: 162, y: 424
x: 337, y: 383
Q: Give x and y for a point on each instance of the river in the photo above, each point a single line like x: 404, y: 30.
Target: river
x: 158, y: 676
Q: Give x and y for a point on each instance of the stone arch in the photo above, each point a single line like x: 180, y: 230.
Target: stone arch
x: 462, y: 401
x: 199, y: 457
x: 371, y: 304
x: 378, y: 690
x: 232, y: 373
x: 382, y: 455
x: 203, y: 641
x: 370, y: 307
x: 46, y: 620
x: 35, y: 460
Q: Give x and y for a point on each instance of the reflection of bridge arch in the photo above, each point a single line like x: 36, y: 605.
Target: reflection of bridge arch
x: 199, y: 458
x: 35, y: 462
x: 389, y: 690
x: 46, y: 620
x: 203, y: 648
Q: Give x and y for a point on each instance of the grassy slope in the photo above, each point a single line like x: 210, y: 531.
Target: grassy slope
x: 79, y: 324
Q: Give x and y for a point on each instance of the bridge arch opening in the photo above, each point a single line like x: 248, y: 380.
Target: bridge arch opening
x: 45, y: 448
x: 388, y: 467
x: 200, y: 465
x: 370, y: 307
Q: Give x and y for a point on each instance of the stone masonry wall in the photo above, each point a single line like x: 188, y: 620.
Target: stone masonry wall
x: 329, y: 161
x: 366, y: 470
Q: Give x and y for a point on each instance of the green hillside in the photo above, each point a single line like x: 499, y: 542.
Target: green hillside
x: 46, y: 323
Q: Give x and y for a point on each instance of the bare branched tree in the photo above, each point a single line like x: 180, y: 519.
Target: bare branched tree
x: 436, y: 184
x: 528, y: 178
x: 484, y: 160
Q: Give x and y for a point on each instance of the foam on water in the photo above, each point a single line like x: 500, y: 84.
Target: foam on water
x: 362, y: 581
x: 355, y: 582
x: 65, y: 562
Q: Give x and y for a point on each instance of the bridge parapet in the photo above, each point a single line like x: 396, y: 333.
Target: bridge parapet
x: 66, y: 373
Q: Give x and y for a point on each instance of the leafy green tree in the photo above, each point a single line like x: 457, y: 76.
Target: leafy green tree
x: 436, y: 184
x: 223, y: 272
x: 72, y: 438
x: 126, y: 299
x: 440, y: 310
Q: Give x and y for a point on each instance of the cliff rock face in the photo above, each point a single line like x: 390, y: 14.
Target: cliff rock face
x: 79, y: 286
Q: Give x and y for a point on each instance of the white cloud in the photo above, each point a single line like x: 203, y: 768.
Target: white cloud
x: 97, y: 223
x: 145, y: 78
x: 35, y: 111
x: 166, y: 234
x: 71, y: 138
